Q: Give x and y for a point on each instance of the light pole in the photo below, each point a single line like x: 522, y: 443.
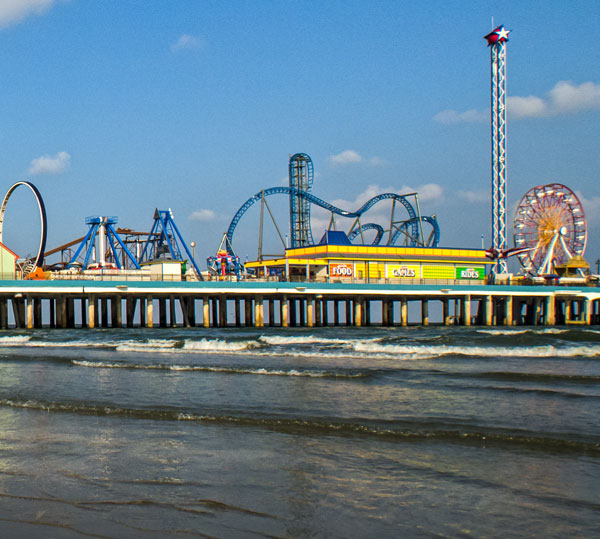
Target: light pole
x: 193, y: 246
x: 597, y: 266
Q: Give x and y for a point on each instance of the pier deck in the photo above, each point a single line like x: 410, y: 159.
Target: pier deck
x: 92, y: 304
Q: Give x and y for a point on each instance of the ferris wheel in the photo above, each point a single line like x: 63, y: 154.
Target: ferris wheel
x: 550, y: 227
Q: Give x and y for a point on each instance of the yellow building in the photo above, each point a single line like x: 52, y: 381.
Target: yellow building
x: 8, y: 263
x: 374, y: 263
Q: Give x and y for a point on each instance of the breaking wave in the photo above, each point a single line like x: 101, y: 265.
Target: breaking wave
x: 15, y: 340
x: 545, y: 331
x: 311, y: 373
x: 477, y: 351
x: 278, y: 340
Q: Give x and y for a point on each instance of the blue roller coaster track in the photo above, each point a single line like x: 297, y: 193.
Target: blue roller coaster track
x: 368, y: 226
x: 410, y: 228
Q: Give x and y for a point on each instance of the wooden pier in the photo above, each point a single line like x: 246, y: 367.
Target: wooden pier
x: 116, y: 304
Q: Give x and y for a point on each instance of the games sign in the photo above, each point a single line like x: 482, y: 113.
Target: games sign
x: 402, y: 271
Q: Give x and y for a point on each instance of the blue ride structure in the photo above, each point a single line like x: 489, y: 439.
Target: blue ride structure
x: 109, y: 242
x: 165, y: 240
x: 300, y: 181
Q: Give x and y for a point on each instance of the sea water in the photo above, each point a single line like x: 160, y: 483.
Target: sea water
x: 328, y: 432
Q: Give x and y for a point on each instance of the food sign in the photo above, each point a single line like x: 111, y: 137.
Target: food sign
x: 341, y: 270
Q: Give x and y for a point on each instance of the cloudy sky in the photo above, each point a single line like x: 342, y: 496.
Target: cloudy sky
x: 119, y: 107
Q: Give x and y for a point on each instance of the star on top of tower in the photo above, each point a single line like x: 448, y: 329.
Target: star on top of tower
x: 498, y: 35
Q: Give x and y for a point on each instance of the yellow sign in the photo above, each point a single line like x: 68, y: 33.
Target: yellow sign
x: 403, y: 271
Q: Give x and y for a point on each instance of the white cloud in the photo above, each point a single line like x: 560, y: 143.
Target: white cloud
x: 453, y: 117
x: 564, y: 98
x: 13, y: 11
x: 203, y: 215
x: 377, y: 161
x: 186, y: 42
x: 47, y: 164
x: 350, y: 157
x: 591, y: 207
x: 346, y: 157
x: 427, y: 193
x: 475, y: 197
x: 525, y: 107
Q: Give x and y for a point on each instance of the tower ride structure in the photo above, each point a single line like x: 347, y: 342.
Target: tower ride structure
x: 497, y: 40
x: 301, y: 180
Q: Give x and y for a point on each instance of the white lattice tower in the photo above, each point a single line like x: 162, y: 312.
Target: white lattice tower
x: 497, y: 42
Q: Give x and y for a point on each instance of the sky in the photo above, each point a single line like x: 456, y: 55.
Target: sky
x: 119, y: 107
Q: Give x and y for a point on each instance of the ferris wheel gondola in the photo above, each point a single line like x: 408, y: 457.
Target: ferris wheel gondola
x: 550, y: 227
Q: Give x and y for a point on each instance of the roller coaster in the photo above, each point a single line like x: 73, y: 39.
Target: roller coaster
x: 414, y: 231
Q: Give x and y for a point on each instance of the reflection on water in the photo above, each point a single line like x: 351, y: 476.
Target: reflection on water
x: 297, y: 434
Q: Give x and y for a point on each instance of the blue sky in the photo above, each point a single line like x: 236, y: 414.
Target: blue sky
x: 117, y: 107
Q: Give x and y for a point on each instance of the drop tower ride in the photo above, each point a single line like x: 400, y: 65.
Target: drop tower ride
x: 497, y: 40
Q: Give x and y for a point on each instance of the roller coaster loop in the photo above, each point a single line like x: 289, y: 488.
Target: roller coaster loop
x: 368, y: 226
x: 39, y: 259
x: 412, y: 222
x: 433, y: 239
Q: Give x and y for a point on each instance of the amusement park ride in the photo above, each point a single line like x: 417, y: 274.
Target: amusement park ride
x: 412, y: 229
x: 550, y: 230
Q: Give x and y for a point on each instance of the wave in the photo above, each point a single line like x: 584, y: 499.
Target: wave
x: 278, y: 340
x: 425, y: 431
x: 152, y: 345
x: 310, y: 373
x: 218, y: 345
x: 14, y: 340
x: 426, y: 352
x: 545, y: 331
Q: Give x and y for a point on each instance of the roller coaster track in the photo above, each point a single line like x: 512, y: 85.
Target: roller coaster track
x: 368, y: 226
x: 412, y: 222
x: 434, y: 237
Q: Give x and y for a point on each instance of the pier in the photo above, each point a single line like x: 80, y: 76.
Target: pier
x: 116, y: 304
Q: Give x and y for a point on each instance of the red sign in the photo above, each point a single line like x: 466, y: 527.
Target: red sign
x: 341, y: 270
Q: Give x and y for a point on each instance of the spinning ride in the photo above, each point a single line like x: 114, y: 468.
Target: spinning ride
x: 550, y: 227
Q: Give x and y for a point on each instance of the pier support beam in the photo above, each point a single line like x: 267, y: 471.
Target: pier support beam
x: 206, y: 312
x: 550, y: 311
x: 358, y: 304
x: 424, y: 312
x: 248, y: 314
x: 149, y: 312
x: 466, y: 310
x: 259, y: 312
x: 403, y: 312
x: 508, y: 311
x: 489, y: 310
x: 222, y: 312
x: 587, y: 311
x: 3, y: 313
x: 284, y: 311
x: 238, y: 316
x: 29, y: 313
x: 445, y: 313
x: 385, y: 312
x: 310, y: 305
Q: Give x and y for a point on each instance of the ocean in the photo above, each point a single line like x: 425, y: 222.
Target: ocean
x: 320, y: 432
